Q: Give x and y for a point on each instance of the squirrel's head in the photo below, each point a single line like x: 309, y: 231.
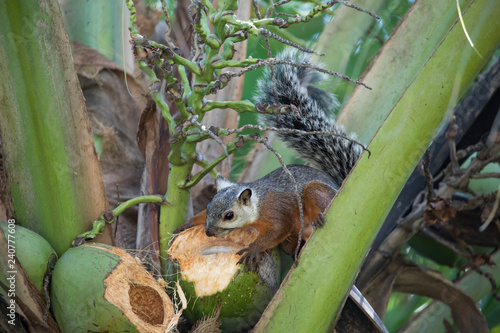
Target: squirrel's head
x: 233, y: 207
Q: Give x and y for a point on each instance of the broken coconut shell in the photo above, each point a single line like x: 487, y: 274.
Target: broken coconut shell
x: 98, y: 288
x: 211, y: 280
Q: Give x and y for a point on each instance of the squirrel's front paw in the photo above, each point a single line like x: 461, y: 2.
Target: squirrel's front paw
x: 320, y: 221
x: 183, y: 227
x: 250, y: 257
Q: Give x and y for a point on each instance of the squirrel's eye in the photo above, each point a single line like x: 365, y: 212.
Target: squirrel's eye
x: 228, y: 216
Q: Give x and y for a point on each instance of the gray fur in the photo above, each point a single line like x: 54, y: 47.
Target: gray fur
x: 221, y: 182
x: 332, y: 154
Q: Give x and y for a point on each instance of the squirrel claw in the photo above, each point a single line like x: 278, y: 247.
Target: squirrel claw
x: 182, y: 228
x: 320, y: 221
x: 250, y: 258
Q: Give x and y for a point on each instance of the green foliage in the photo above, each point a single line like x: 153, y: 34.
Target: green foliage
x: 400, y: 308
x: 369, y: 44
x: 97, y: 24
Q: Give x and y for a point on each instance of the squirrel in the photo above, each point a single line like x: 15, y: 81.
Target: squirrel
x: 270, y: 204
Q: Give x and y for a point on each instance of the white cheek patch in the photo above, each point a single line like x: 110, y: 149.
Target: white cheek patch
x: 249, y: 214
x: 237, y: 222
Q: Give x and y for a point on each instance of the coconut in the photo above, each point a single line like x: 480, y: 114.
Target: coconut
x: 209, y: 275
x: 97, y: 288
x: 32, y: 250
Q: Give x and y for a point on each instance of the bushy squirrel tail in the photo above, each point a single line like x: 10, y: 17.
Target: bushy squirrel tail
x: 294, y: 86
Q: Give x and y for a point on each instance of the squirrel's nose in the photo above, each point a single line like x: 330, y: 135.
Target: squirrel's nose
x: 209, y: 232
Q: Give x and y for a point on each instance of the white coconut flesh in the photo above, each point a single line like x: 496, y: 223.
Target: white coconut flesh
x: 209, y: 262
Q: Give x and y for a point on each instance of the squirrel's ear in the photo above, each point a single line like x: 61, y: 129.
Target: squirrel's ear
x: 221, y: 183
x: 244, y: 197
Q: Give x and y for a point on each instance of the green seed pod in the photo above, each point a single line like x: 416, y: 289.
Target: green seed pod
x: 32, y: 250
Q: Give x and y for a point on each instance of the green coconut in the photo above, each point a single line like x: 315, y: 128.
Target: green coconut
x: 97, y: 288
x: 32, y: 250
x: 212, y: 281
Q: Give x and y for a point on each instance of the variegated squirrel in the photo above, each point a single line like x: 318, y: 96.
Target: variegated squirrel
x: 270, y: 204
